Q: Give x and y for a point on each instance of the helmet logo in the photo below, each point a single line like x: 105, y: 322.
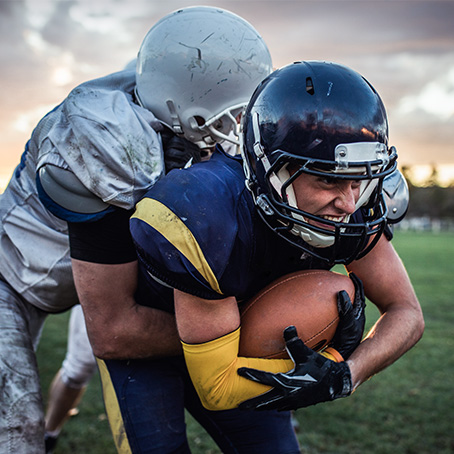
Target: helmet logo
x: 330, y: 86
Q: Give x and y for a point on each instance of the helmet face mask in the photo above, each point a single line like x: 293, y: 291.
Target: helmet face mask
x: 222, y: 127
x: 278, y: 149
x: 196, y: 71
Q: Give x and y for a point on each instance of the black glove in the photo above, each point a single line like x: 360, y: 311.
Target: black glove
x: 352, y: 318
x: 313, y: 379
x: 178, y: 151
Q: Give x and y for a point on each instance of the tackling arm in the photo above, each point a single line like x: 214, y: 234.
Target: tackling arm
x: 117, y: 326
x: 105, y: 272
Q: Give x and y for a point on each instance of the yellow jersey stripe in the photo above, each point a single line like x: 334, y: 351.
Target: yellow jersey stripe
x: 113, y: 410
x: 173, y: 229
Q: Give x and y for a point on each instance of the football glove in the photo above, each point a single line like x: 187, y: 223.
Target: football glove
x: 313, y: 379
x: 178, y: 151
x: 352, y: 318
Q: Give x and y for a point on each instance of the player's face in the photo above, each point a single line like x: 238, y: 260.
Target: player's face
x: 326, y: 197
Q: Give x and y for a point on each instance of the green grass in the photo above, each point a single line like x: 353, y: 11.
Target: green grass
x: 408, y: 408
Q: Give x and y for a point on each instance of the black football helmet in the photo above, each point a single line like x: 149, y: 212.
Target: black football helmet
x: 323, y: 119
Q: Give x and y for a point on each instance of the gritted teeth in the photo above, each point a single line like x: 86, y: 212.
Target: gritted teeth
x: 333, y: 218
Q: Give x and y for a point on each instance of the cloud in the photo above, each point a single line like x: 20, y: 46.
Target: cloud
x: 436, y: 98
x: 404, y: 48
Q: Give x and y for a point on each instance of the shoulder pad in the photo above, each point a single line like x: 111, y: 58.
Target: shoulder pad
x: 65, y: 189
x: 397, y: 196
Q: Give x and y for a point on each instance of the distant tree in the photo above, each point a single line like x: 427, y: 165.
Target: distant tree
x: 406, y: 172
x: 434, y: 180
x: 430, y: 199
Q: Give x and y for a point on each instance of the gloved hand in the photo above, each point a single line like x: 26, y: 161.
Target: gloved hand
x: 313, y: 379
x: 352, y: 318
x: 178, y: 151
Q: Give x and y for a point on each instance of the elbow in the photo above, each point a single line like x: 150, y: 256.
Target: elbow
x: 416, y: 329
x: 107, y: 346
x: 214, y: 396
x: 101, y: 350
x: 108, y: 339
x: 102, y: 353
x: 420, y: 327
x: 212, y: 402
x: 210, y: 405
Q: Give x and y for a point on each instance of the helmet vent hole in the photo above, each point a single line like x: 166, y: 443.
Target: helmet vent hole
x: 200, y: 120
x: 309, y: 86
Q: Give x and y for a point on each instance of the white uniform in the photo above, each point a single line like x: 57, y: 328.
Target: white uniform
x: 112, y: 146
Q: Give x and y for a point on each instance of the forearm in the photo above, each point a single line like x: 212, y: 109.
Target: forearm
x: 401, y: 324
x: 139, y: 332
x: 396, y: 332
x: 118, y: 327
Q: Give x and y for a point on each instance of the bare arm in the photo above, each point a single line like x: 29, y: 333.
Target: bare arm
x: 401, y: 324
x: 201, y: 320
x: 117, y: 326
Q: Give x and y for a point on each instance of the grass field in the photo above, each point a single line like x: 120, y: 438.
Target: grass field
x: 406, y: 409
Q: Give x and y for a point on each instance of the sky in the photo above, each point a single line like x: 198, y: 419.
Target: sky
x: 405, y: 48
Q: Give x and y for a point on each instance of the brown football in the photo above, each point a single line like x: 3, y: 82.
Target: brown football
x: 306, y: 299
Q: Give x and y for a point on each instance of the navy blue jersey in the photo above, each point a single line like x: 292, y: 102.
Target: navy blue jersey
x: 197, y: 230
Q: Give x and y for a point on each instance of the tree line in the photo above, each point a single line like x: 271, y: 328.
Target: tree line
x: 430, y: 200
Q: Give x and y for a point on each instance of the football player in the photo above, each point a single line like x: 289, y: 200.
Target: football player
x: 315, y: 157
x: 90, y: 160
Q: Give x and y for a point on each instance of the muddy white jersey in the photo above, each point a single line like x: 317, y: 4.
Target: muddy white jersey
x: 111, y: 145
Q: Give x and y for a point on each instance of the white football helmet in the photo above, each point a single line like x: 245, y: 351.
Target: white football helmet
x: 197, y: 69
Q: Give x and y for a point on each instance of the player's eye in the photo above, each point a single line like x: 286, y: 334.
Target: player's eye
x: 329, y: 181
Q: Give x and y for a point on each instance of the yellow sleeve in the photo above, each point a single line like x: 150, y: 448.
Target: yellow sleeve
x: 213, y: 369
x: 332, y: 354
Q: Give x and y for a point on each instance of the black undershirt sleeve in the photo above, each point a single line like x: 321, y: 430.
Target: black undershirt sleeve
x: 106, y: 241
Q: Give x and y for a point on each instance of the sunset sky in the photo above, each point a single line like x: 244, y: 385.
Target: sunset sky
x: 404, y: 48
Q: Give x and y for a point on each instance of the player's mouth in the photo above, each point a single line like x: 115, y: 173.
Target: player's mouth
x: 328, y: 218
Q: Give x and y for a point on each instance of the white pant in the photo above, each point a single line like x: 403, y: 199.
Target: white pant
x: 79, y: 364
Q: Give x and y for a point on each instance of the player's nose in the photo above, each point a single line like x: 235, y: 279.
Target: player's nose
x: 347, y: 197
